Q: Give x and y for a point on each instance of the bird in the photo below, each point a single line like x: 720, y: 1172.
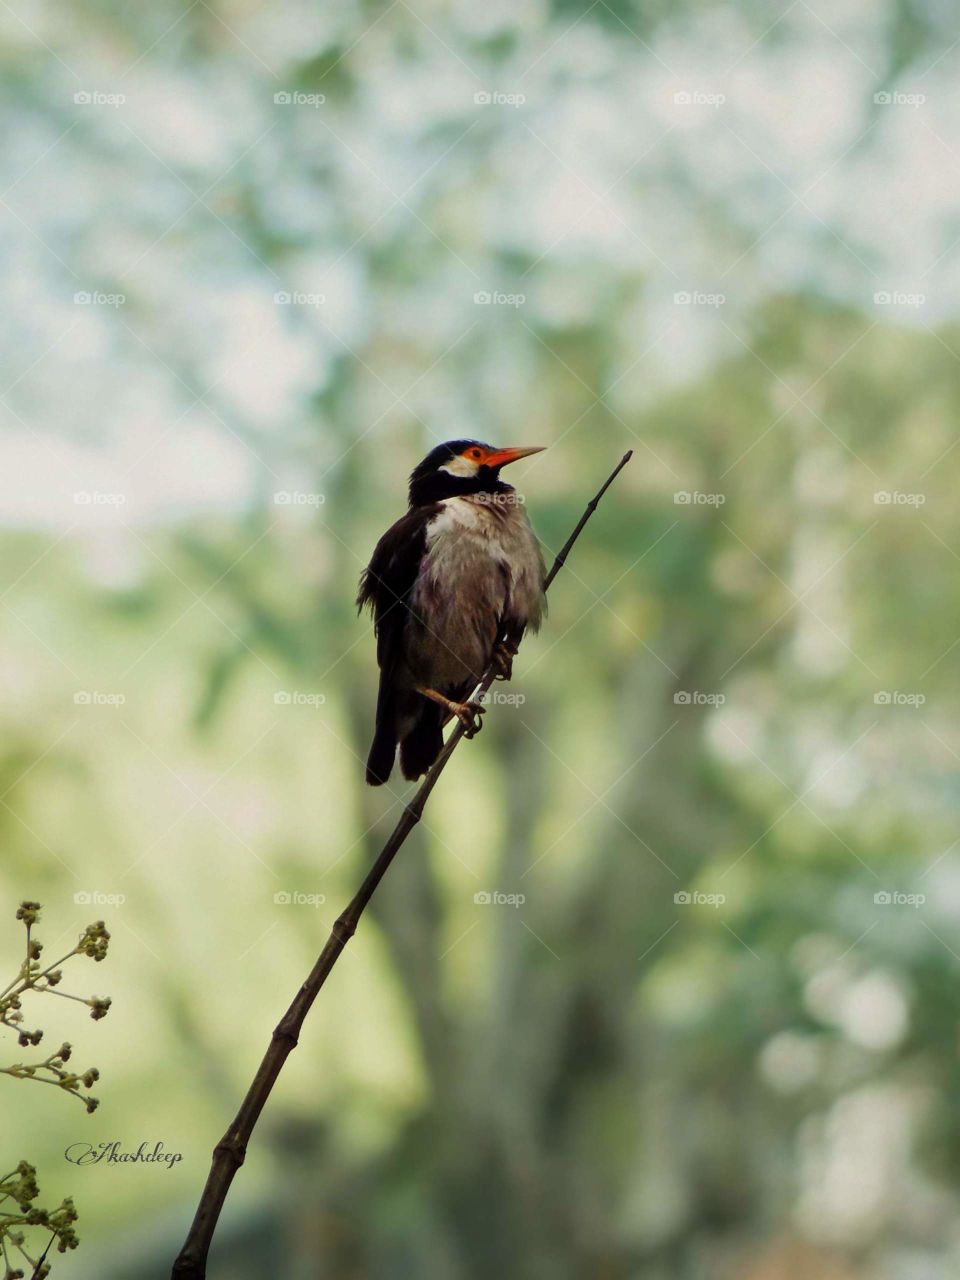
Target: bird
x: 452, y: 586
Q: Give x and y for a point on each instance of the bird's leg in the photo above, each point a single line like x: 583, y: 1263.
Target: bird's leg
x: 468, y: 713
x: 504, y: 652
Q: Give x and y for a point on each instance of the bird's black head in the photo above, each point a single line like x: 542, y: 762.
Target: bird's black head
x: 461, y: 467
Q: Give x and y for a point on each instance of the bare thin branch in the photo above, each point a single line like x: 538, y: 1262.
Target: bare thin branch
x: 229, y: 1153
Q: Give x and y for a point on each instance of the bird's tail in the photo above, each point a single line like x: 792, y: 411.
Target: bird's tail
x: 423, y: 743
x: 384, y: 746
x: 382, y: 751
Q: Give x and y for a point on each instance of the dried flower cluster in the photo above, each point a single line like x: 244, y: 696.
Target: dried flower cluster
x: 35, y: 978
x: 19, y: 1190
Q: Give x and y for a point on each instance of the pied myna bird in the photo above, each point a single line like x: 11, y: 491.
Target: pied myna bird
x: 453, y: 584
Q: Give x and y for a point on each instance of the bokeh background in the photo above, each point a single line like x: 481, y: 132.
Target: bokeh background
x: 257, y: 260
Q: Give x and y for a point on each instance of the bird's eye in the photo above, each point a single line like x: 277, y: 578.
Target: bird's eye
x: 476, y: 455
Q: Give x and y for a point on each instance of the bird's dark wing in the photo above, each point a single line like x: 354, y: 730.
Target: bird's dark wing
x: 386, y: 583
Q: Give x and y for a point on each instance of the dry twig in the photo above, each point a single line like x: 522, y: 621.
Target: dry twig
x: 229, y: 1153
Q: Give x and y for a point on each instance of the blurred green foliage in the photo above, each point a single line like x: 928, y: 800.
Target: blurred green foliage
x: 747, y: 696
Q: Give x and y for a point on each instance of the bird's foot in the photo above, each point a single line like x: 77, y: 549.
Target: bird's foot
x: 503, y: 656
x: 468, y: 713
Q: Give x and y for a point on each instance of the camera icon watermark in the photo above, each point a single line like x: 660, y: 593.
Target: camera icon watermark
x: 697, y: 698
x: 94, y: 698
x: 96, y: 898
x: 895, y: 98
x: 97, y: 98
x: 694, y: 898
x: 286, y: 298
x: 695, y: 298
x: 298, y: 698
x: 511, y: 499
x: 484, y: 298
x: 96, y: 298
x: 294, y: 98
x: 897, y: 698
x: 296, y: 498
x: 494, y: 98
x: 500, y: 698
x: 898, y: 298
x: 698, y: 98
x: 887, y: 898
x: 688, y: 498
x: 94, y: 498
x: 895, y: 498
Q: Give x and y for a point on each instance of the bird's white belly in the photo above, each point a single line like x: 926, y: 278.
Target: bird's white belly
x: 481, y: 561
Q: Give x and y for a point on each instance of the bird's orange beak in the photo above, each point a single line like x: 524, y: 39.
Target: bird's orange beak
x: 500, y: 457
